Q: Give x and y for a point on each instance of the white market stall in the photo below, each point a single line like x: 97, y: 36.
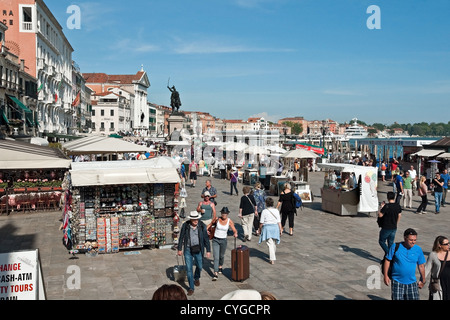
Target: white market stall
x: 349, y: 189
x: 121, y: 205
x: 104, y: 146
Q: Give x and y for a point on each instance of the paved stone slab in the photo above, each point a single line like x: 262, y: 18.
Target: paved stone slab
x: 327, y: 258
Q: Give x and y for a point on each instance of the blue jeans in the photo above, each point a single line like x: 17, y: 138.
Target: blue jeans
x: 192, y: 259
x: 386, y: 235
x: 437, y: 200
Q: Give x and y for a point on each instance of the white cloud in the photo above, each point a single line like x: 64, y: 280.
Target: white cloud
x: 214, y: 46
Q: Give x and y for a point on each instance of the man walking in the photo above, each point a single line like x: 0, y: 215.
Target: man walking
x: 399, y: 187
x: 193, y: 240
x: 389, y: 217
x: 193, y: 169
x: 404, y: 258
x: 446, y: 178
x: 407, y: 189
x: 212, y: 191
x: 438, y: 184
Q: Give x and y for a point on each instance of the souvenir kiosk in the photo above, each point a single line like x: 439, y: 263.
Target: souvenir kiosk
x: 118, y: 205
x: 349, y: 189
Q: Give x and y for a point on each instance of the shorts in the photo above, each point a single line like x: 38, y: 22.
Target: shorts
x: 193, y: 175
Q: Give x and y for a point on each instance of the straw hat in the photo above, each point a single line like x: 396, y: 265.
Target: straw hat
x: 193, y: 215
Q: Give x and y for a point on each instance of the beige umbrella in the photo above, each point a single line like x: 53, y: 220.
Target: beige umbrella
x: 299, y: 154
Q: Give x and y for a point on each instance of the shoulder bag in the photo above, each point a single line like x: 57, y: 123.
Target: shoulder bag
x: 435, y: 284
x: 212, y: 229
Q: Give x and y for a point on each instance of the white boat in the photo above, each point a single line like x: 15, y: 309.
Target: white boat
x: 355, y: 131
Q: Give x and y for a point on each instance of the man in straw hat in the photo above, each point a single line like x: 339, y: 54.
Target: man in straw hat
x: 193, y: 239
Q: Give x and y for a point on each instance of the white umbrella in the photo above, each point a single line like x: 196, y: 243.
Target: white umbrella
x: 163, y: 162
x: 257, y: 150
x: 235, y: 146
x: 299, y: 153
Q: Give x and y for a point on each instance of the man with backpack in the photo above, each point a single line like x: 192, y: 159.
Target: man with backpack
x: 404, y: 258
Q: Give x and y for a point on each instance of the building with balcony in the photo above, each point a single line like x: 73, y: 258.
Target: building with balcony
x: 18, y: 93
x: 36, y: 37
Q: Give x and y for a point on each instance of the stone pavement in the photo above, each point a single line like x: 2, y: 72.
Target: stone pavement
x: 329, y: 257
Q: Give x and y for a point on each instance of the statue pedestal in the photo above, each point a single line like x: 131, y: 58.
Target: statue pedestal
x: 175, y: 121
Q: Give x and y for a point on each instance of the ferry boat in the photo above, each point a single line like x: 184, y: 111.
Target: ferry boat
x: 355, y: 131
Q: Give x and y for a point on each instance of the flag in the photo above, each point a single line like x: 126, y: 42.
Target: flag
x: 40, y: 87
x: 77, y: 100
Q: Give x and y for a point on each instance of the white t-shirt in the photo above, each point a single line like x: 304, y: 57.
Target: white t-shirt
x: 412, y: 174
x: 270, y: 216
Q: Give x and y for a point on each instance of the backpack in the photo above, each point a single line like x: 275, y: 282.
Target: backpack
x: 298, y: 201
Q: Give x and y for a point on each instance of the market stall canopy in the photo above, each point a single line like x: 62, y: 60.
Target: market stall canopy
x: 299, y: 153
x: 23, y: 155
x: 101, y: 145
x: 276, y: 149
x: 164, y: 162
x: 428, y: 153
x: 120, y: 172
x: 39, y: 141
x: 444, y: 155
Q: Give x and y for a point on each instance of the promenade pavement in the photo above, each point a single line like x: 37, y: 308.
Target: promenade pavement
x: 329, y: 257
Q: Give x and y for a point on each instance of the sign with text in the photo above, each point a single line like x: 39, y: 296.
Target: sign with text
x: 20, y: 276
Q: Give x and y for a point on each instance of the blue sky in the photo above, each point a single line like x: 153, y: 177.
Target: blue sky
x: 275, y: 58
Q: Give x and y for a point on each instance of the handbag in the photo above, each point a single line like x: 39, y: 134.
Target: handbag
x: 212, y: 230
x: 435, y: 283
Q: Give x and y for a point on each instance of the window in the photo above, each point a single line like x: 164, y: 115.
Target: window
x: 102, y: 112
x: 112, y: 125
x: 26, y: 18
x: 111, y: 112
x: 93, y: 112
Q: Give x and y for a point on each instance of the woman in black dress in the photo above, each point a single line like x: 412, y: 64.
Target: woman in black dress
x: 286, y: 206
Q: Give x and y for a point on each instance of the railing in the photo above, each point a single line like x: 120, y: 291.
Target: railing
x: 27, y: 26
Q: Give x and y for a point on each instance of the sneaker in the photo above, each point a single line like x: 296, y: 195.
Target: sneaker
x: 190, y: 292
x: 424, y: 212
x: 215, y: 277
x: 220, y: 270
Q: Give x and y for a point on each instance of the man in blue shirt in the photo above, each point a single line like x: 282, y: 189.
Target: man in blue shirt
x: 404, y: 259
x: 399, y: 187
x: 446, y: 178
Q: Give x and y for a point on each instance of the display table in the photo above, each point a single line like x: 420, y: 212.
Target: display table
x: 250, y: 177
x: 340, y: 202
x: 303, y: 190
x: 276, y: 184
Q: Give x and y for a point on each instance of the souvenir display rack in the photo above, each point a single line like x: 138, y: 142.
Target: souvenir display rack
x: 114, y: 217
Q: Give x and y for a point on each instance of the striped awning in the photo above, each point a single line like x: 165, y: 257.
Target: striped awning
x: 19, y: 104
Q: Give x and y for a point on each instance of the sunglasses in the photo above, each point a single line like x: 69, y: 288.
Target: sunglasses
x: 445, y: 244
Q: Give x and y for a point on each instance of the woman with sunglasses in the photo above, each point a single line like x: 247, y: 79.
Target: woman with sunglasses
x: 438, y: 265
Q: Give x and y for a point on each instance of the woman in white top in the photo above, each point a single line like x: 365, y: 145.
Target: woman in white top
x: 219, y: 242
x: 270, y: 228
